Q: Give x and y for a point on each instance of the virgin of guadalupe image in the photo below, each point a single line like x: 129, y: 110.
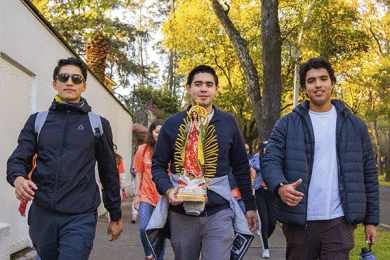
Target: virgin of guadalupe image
x: 194, y: 194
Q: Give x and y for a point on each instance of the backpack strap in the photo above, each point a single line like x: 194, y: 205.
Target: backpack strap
x: 96, y: 124
x: 39, y: 121
x: 94, y: 120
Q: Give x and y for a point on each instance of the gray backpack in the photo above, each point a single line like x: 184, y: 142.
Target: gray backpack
x: 94, y: 120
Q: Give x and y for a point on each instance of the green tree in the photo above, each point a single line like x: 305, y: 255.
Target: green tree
x: 80, y: 20
x: 161, y: 101
x: 194, y: 33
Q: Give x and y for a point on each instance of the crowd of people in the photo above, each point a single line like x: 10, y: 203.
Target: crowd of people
x: 194, y: 181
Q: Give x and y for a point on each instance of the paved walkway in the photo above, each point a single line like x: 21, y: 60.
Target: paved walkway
x: 129, y: 246
x: 384, y: 195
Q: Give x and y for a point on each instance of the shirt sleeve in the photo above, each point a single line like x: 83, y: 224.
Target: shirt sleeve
x: 139, y: 158
x: 161, y: 159
x: 121, y: 168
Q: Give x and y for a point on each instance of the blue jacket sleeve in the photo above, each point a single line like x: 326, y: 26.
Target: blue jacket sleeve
x: 255, y: 162
x: 272, y: 163
x: 240, y: 168
x: 20, y: 162
x: 108, y: 172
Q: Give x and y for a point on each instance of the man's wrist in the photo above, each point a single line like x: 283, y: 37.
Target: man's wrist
x: 17, y: 177
x: 279, y: 186
x: 167, y: 192
x: 117, y: 222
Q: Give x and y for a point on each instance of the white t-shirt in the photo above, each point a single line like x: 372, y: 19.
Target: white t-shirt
x: 323, y: 195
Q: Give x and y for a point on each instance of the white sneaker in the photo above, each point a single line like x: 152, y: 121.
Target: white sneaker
x: 265, y: 253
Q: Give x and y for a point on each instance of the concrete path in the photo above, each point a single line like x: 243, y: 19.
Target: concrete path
x: 129, y: 246
x: 384, y: 195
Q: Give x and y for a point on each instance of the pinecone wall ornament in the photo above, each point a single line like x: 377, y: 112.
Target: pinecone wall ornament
x: 97, y: 50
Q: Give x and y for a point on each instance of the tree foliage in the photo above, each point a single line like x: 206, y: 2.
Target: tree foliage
x: 161, y: 101
x: 352, y: 34
x: 78, y: 20
x: 195, y: 34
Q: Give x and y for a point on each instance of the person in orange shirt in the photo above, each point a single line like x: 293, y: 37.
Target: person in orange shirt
x: 146, y: 196
x: 121, y: 170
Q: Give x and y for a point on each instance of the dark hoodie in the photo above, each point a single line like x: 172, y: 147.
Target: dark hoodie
x: 67, y: 153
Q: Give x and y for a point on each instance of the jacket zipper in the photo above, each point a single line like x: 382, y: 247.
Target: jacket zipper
x: 312, y: 141
x: 59, y: 156
x: 339, y: 124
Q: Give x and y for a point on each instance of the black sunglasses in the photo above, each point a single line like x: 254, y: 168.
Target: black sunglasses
x: 76, y: 78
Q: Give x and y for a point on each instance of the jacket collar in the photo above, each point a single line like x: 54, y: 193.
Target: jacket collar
x: 58, y: 106
x: 341, y: 109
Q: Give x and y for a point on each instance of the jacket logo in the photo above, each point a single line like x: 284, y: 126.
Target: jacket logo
x: 81, y: 127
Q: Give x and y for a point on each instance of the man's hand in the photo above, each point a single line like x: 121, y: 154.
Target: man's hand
x: 24, y: 189
x: 172, y: 195
x: 289, y: 195
x: 114, y: 229
x: 136, y: 202
x: 370, y: 234
x: 251, y: 216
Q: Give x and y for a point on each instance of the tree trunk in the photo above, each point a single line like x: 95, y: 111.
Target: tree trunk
x: 97, y: 50
x: 379, y: 160
x: 272, y: 66
x: 377, y: 146
x: 297, y: 55
x: 387, y: 166
x: 267, y: 110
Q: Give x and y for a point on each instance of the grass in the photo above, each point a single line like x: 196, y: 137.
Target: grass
x: 20, y: 253
x: 382, y: 182
x: 380, y: 249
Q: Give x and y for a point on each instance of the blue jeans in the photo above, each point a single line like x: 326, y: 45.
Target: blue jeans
x: 61, y: 236
x: 145, y: 213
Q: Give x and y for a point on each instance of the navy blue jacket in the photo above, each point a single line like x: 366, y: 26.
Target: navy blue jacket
x: 290, y: 154
x: 67, y: 154
x: 231, y: 151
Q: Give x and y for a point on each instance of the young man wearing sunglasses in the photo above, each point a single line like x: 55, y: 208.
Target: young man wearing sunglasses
x: 63, y: 215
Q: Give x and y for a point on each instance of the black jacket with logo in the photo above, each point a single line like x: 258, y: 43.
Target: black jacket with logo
x: 67, y: 153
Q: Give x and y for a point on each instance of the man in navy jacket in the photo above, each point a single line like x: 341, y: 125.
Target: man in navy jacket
x: 210, y: 233
x: 65, y: 195
x: 320, y: 164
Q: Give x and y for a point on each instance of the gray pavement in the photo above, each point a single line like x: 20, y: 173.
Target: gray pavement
x: 384, y: 195
x: 129, y: 246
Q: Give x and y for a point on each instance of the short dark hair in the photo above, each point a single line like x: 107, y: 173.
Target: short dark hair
x: 202, y: 69
x: 315, y: 63
x: 150, y: 140
x: 71, y: 61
